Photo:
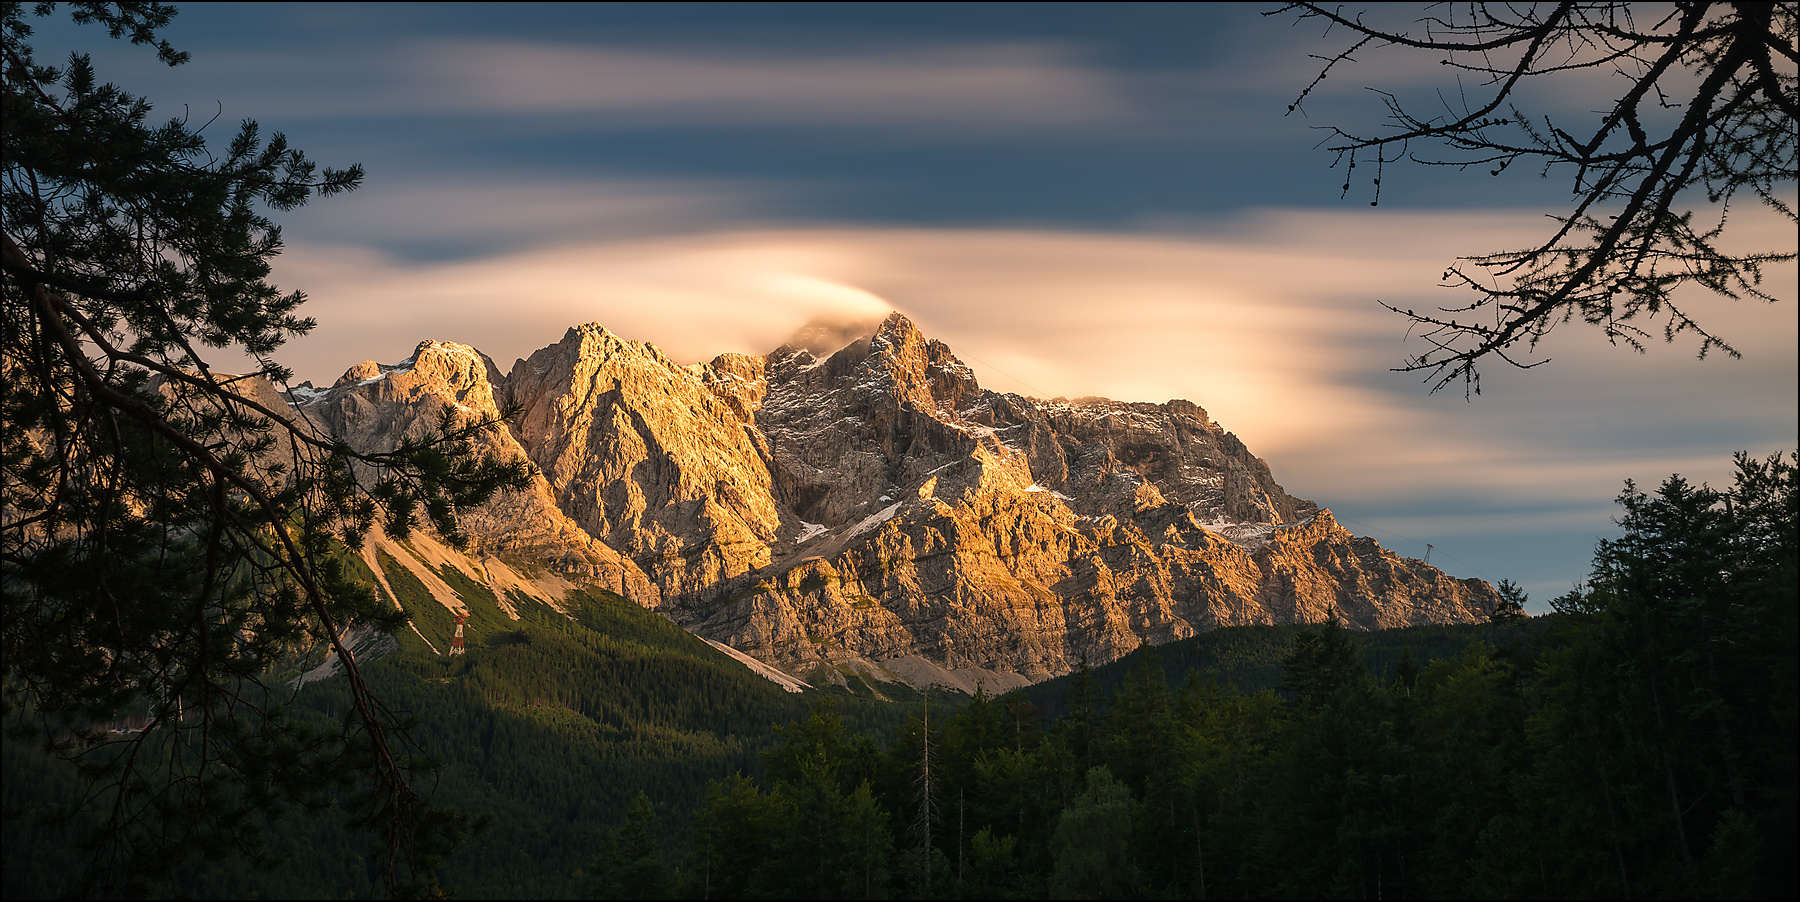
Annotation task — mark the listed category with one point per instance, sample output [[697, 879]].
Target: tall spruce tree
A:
[[632, 865], [168, 529], [1684, 646], [924, 821]]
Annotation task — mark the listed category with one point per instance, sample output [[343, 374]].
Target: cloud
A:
[[1267, 320], [695, 297], [969, 88], [970, 85], [477, 213]]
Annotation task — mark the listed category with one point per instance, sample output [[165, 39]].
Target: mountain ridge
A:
[[871, 509]]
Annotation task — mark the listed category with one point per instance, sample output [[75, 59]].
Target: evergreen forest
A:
[[1638, 742]]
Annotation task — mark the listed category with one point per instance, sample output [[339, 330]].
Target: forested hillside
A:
[[547, 730], [1249, 658], [552, 725], [1639, 741]]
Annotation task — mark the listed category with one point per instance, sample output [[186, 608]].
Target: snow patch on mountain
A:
[[874, 520], [304, 394]]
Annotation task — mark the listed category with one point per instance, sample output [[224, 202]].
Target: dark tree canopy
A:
[[1705, 114], [168, 529]]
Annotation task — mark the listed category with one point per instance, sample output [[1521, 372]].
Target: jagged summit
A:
[[856, 501]]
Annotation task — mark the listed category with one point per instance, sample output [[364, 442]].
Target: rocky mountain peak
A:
[[435, 372], [923, 370], [375, 402], [648, 455], [374, 405], [594, 336], [856, 501]]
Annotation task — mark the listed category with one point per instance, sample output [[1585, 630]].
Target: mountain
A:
[[855, 503]]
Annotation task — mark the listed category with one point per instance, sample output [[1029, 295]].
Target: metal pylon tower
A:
[[456, 642]]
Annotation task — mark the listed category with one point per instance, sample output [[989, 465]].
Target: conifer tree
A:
[[1406, 673], [632, 865], [1084, 714], [1667, 704], [1092, 842], [1323, 661], [925, 815], [168, 528], [1511, 605]]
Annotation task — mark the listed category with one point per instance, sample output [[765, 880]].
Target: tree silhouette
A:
[[1706, 109], [169, 529]]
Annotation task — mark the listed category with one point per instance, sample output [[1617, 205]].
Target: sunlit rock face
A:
[[991, 532], [639, 451], [855, 501], [374, 407]]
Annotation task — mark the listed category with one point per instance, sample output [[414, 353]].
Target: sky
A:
[[1105, 200]]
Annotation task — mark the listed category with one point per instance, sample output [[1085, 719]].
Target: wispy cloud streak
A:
[[973, 88], [1268, 321]]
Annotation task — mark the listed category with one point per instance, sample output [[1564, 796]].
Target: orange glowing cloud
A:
[[1268, 321]]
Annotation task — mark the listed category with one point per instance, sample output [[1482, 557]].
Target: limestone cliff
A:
[[639, 452], [374, 406], [856, 501], [998, 534]]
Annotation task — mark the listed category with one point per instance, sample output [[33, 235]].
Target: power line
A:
[[985, 365], [1429, 547]]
